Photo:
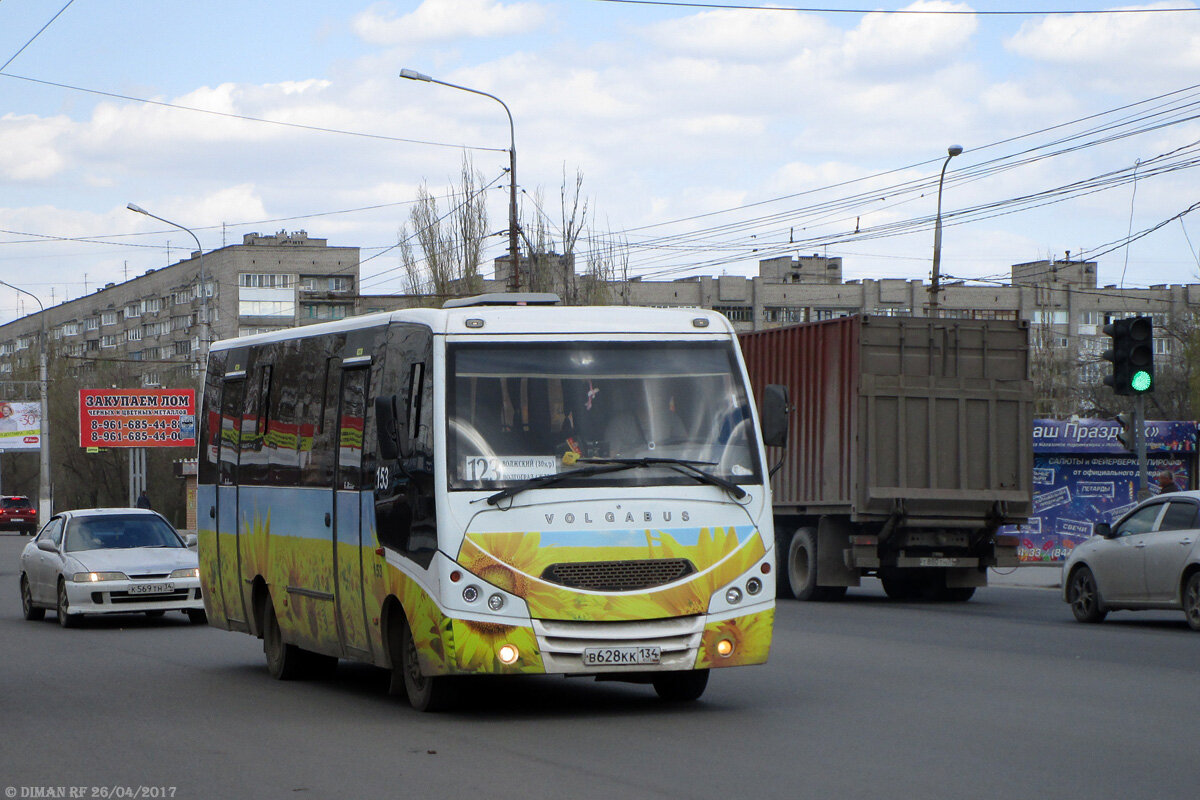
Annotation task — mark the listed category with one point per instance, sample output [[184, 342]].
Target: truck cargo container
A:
[[910, 444]]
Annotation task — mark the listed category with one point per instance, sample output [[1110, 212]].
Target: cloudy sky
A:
[[707, 138]]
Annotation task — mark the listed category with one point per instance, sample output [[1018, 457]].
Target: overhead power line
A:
[[948, 12], [247, 118], [13, 57]]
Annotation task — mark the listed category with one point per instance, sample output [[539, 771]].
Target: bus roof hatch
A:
[[505, 299]]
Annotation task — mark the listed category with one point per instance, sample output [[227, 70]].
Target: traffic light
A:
[[1131, 354]]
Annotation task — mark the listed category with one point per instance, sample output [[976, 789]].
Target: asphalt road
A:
[[1003, 697]]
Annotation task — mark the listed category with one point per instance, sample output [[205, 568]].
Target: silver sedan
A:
[[1150, 559], [109, 561]]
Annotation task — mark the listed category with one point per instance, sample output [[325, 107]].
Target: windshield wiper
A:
[[600, 466], [546, 480], [686, 467]]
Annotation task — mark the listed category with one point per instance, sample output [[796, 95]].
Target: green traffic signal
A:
[[1131, 354]]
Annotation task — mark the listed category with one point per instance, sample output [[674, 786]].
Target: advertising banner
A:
[[1083, 475], [137, 418], [20, 426]]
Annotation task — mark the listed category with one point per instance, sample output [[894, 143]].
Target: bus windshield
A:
[[519, 411]]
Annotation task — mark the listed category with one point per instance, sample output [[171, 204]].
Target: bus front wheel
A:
[[425, 692]]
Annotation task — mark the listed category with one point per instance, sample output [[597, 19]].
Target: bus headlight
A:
[[753, 586], [508, 653], [733, 595], [471, 594]]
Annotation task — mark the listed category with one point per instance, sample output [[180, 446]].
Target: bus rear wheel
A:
[[285, 661], [681, 687]]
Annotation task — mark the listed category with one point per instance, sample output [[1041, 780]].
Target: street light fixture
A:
[[44, 511], [515, 280], [953, 150], [205, 330]]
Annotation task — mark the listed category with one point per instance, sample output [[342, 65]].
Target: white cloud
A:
[[1116, 46], [30, 146], [741, 35], [439, 20], [886, 42]]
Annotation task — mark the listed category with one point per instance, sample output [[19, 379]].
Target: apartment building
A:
[[265, 283]]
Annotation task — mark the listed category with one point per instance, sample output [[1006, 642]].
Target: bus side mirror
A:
[[387, 429], [776, 406]]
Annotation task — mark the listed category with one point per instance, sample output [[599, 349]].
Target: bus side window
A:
[[323, 379], [351, 428], [283, 433], [405, 519], [210, 419], [253, 467]]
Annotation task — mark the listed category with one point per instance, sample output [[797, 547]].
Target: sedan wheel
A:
[[65, 619], [1191, 600], [1084, 597], [31, 612]]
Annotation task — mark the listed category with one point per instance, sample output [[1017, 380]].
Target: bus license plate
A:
[[937, 562], [620, 656], [151, 588]]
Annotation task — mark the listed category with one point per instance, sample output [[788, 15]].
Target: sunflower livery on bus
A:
[[501, 486]]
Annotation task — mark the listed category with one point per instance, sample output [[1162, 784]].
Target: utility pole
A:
[[45, 505]]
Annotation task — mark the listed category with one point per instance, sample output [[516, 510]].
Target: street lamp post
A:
[[205, 330], [44, 510], [934, 288], [515, 280]]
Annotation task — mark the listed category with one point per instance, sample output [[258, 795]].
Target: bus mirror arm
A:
[[387, 427]]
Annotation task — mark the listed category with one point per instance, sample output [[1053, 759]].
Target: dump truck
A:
[[909, 446]]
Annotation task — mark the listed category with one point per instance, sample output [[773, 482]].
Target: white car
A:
[[109, 561], [1150, 559]]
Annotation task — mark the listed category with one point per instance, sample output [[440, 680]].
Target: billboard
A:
[[137, 417], [1082, 474], [20, 426]]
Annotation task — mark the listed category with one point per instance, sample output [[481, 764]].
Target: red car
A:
[[17, 514]]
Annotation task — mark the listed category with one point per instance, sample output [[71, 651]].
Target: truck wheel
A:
[[960, 594], [681, 687], [783, 587], [802, 569], [898, 585]]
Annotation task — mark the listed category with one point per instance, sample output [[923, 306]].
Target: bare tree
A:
[[451, 244], [1055, 369], [551, 258]]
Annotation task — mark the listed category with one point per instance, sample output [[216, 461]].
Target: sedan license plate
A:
[[151, 588], [620, 656]]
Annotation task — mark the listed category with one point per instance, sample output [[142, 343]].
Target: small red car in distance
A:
[[17, 514]]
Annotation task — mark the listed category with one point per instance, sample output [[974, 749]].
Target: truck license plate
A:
[[151, 588], [620, 656], [937, 562]]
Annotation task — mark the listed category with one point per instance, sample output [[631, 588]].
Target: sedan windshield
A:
[[120, 531], [522, 411]]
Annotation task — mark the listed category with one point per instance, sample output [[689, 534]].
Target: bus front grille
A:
[[618, 576]]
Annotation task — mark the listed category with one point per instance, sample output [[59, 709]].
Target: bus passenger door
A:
[[233, 392], [348, 498]]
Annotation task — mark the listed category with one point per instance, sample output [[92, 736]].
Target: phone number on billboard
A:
[[138, 436], [134, 424]]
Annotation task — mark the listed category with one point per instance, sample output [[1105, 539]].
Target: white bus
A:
[[500, 486]]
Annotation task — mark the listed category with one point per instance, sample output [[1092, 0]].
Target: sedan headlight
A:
[[93, 577], [190, 572]]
